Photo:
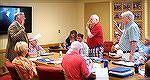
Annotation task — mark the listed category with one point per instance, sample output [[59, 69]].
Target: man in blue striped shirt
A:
[[130, 38]]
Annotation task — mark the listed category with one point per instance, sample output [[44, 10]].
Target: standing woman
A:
[[72, 37], [95, 39]]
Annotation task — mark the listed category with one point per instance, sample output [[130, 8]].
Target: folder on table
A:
[[121, 72]]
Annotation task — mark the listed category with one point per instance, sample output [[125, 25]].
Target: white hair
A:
[[95, 18], [20, 47], [128, 14], [76, 45]]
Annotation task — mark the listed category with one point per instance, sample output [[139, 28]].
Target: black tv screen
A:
[[7, 14]]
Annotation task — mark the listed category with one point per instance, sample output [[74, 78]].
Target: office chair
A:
[[50, 73], [12, 70]]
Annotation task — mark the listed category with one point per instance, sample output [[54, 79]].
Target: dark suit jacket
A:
[[14, 36]]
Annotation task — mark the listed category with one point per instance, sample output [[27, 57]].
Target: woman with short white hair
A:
[[25, 68]]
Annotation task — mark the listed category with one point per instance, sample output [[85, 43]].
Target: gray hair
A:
[[76, 45], [128, 14], [17, 14], [20, 47]]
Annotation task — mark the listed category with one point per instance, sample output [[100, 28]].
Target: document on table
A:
[[45, 54], [34, 59], [55, 62], [101, 73], [124, 63]]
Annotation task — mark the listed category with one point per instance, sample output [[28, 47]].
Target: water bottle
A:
[[136, 68], [60, 54], [105, 63]]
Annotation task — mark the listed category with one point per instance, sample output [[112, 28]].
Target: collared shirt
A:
[[75, 66], [34, 50], [97, 39], [25, 68], [85, 49], [131, 33]]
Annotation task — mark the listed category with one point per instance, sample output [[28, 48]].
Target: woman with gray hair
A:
[[130, 38], [95, 39], [25, 68]]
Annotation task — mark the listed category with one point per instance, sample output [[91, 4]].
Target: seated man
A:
[[25, 68], [85, 47], [75, 65], [34, 48]]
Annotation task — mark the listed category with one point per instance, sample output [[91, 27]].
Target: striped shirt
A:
[[131, 33], [34, 50], [25, 68]]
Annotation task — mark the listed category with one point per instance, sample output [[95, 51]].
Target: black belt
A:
[[129, 51]]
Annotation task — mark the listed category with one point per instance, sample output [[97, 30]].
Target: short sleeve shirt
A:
[[97, 39], [75, 66], [131, 33]]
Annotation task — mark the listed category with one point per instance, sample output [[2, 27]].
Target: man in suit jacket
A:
[[16, 33]]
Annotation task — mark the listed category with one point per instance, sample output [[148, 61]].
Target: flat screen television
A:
[[7, 14]]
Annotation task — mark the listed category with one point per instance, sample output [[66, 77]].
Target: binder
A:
[[121, 72]]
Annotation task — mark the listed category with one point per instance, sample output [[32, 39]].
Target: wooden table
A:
[[55, 56], [59, 49]]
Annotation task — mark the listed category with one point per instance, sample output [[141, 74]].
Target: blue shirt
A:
[[130, 33]]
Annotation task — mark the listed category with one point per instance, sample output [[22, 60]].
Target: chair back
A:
[[107, 46], [50, 73], [12, 70]]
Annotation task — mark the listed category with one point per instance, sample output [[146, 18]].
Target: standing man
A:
[[16, 33], [130, 38], [95, 39]]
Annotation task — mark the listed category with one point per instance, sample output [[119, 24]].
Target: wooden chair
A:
[[50, 73], [12, 70]]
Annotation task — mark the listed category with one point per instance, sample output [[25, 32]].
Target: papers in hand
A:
[[36, 37]]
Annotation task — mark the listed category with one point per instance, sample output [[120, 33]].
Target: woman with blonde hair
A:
[[25, 68]]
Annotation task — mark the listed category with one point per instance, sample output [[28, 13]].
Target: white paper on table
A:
[[34, 59], [56, 62], [102, 74], [45, 54]]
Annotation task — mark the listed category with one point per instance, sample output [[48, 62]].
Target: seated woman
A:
[[34, 48], [72, 37], [25, 68]]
